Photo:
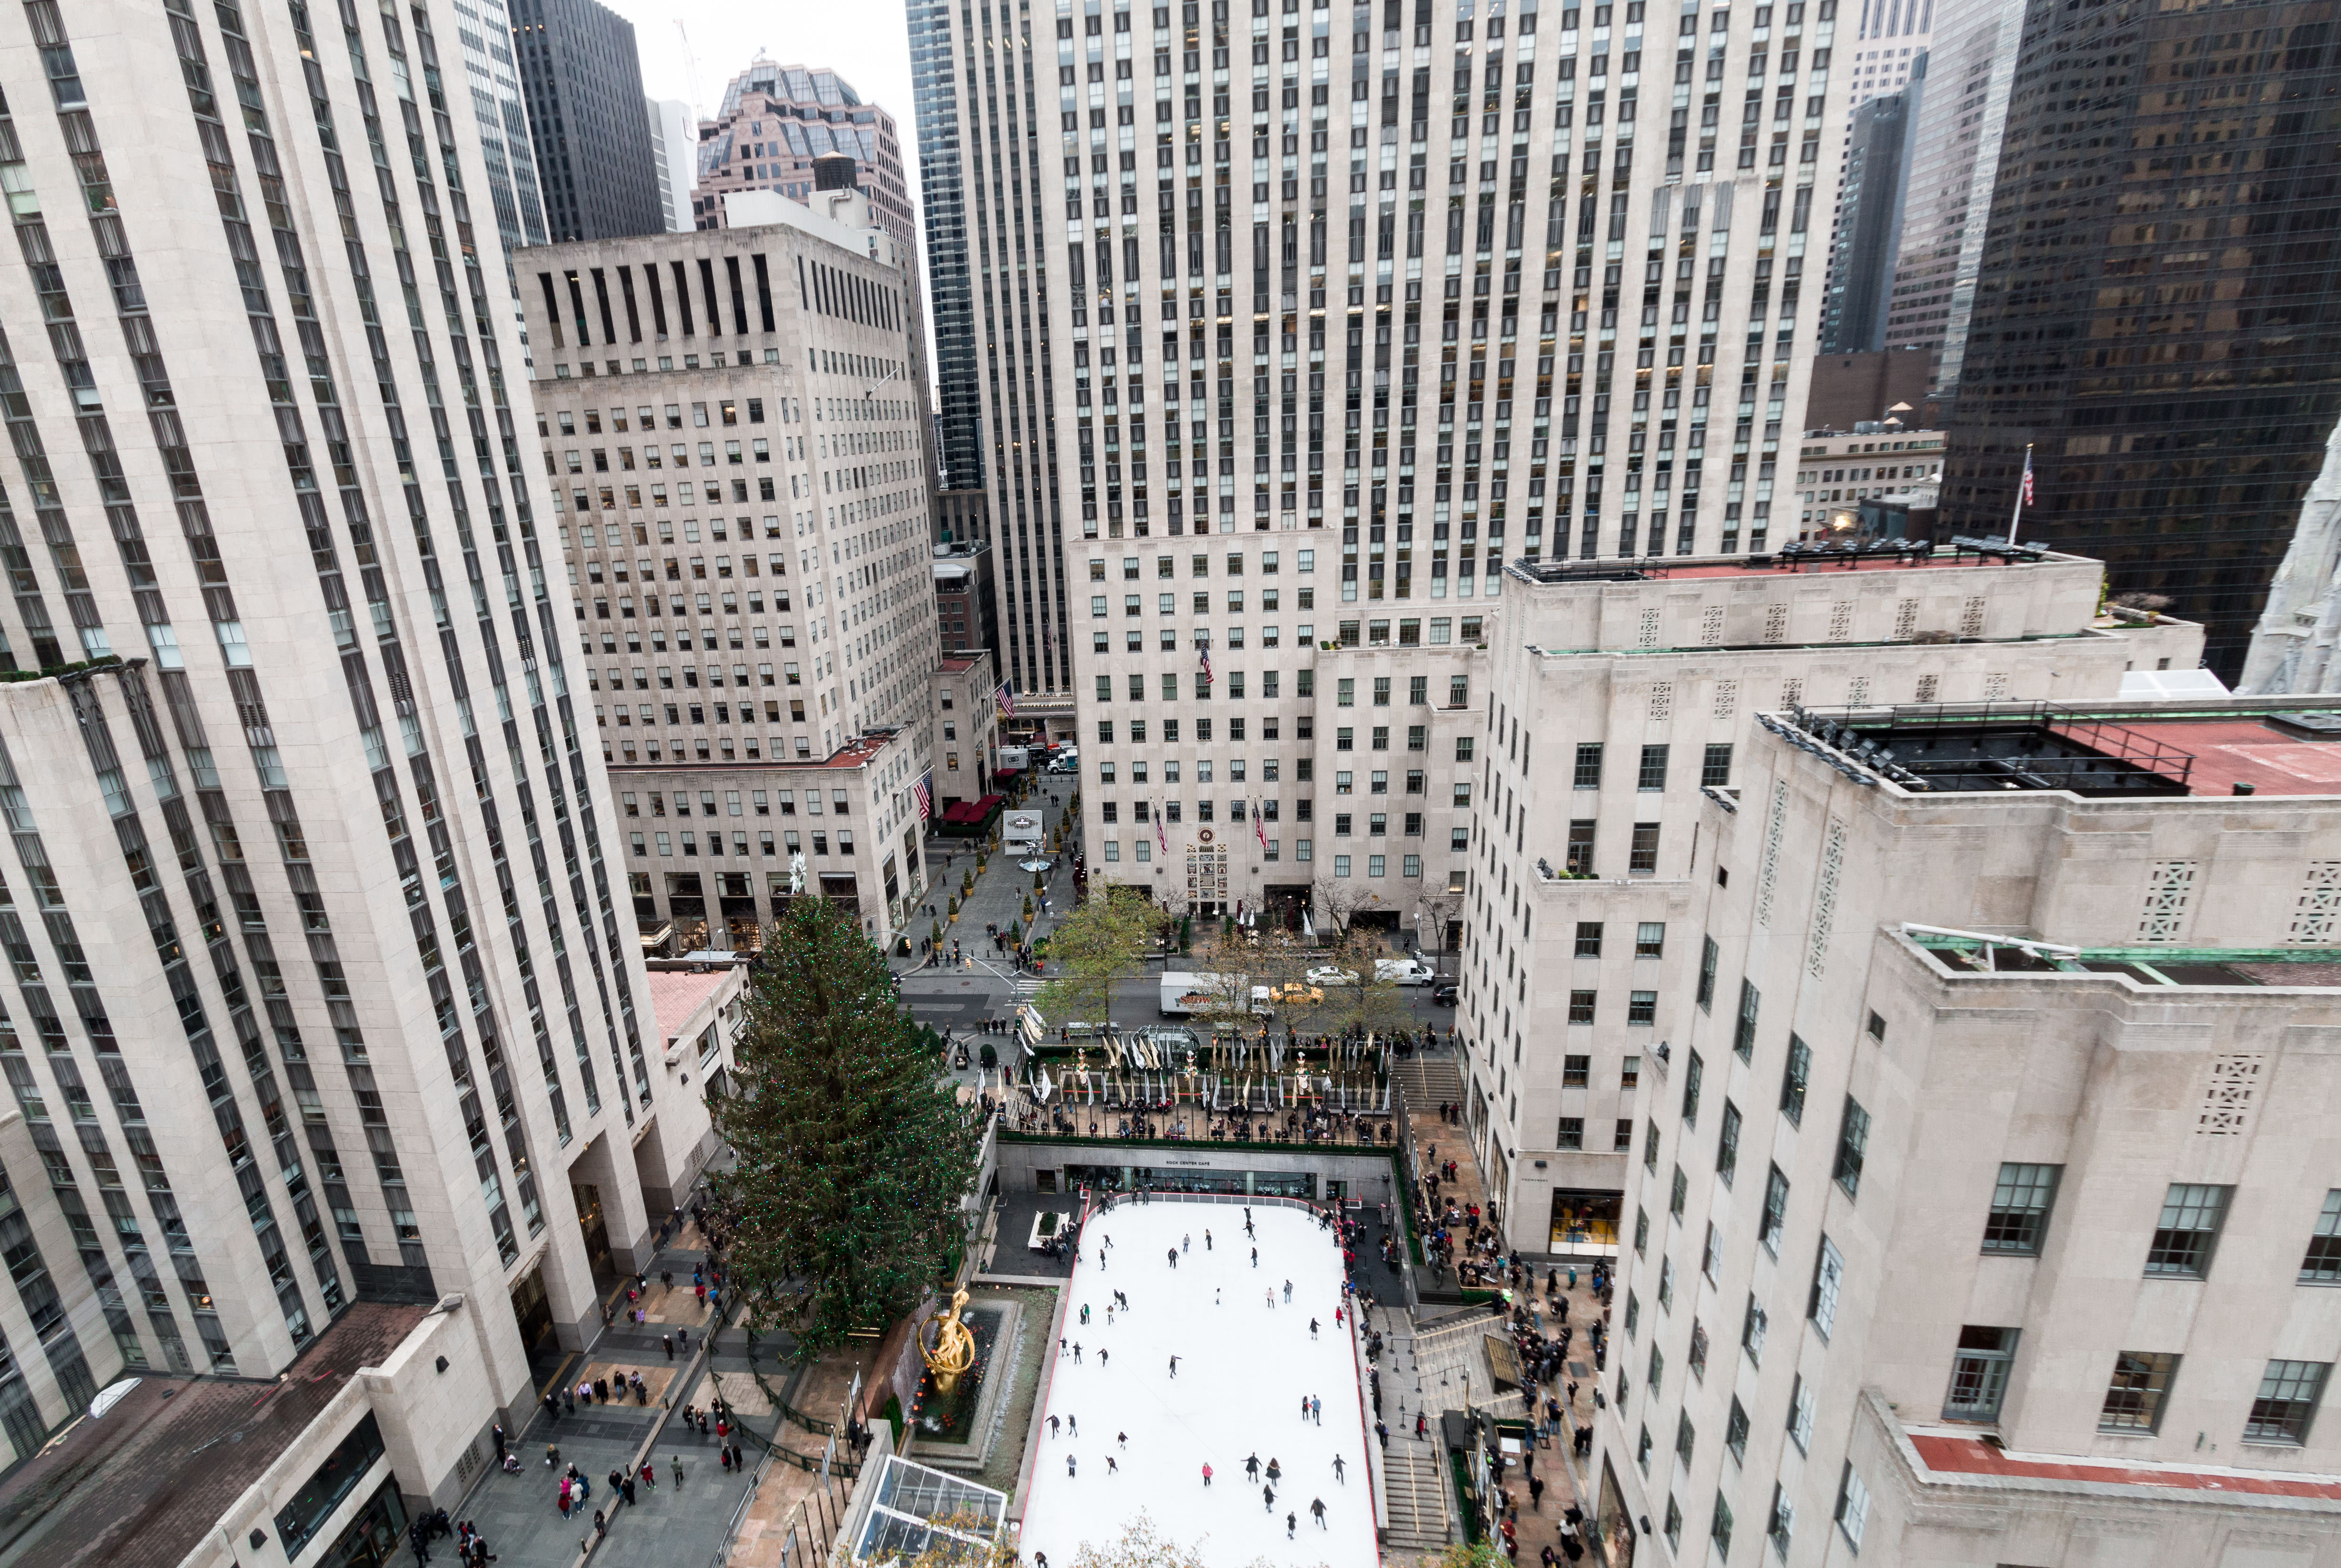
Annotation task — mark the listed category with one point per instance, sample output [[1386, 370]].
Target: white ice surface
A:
[[1243, 1368]]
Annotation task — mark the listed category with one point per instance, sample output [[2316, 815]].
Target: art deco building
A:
[[322, 987]]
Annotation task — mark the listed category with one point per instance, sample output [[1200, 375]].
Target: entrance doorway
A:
[[588, 1198], [533, 1311]]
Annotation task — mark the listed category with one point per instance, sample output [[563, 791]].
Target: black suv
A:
[[1443, 993]]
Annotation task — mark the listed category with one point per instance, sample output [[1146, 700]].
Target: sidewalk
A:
[[998, 898]]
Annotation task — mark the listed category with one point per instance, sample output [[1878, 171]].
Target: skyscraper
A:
[[776, 120], [1868, 226], [319, 987], [585, 90], [951, 296], [1409, 291], [674, 153], [502, 118], [1954, 160], [2155, 329]]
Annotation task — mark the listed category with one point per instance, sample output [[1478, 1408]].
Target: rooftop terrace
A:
[[1878, 555], [2119, 752], [1983, 953]]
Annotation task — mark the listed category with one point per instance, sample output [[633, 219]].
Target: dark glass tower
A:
[[2158, 300], [594, 161], [951, 296], [1869, 221]]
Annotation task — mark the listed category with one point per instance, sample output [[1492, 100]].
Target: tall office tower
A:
[[1954, 160], [1618, 708], [356, 893], [745, 494], [1889, 37], [950, 292], [1983, 1210], [2174, 445], [674, 154], [1868, 224], [502, 116], [585, 88], [1469, 311], [776, 120]]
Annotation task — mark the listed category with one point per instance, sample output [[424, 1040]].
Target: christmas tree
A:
[[853, 1157]]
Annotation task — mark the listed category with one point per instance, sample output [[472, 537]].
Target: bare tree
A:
[[1336, 902]]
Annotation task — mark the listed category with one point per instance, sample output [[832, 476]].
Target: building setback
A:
[[2171, 438], [743, 490], [1617, 705], [320, 991], [1412, 292], [1985, 1209], [595, 158]]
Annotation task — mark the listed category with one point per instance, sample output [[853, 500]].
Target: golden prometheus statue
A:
[[952, 1350]]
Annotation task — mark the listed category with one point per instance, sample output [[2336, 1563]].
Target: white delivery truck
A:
[[1186, 990]]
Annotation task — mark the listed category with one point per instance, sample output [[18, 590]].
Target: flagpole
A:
[[2022, 484]]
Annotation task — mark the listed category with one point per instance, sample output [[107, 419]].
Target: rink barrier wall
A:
[[1016, 1169]]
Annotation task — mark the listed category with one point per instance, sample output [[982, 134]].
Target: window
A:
[[1852, 1143], [1828, 1273], [1588, 765], [2322, 1263], [1580, 846], [1623, 1138], [2020, 1202], [1735, 1432], [1572, 1132], [1588, 939], [1710, 1262], [1775, 1211], [1641, 1230], [1708, 955], [1793, 1080], [1643, 856], [1979, 1373], [2187, 1231], [1685, 1437], [1630, 1072], [1418, 690], [1642, 1449], [1459, 691], [1852, 1506], [1581, 1007], [1781, 1528], [1721, 1531], [1751, 1329], [1674, 1523], [1694, 1076], [1726, 1153], [2287, 1400], [1801, 1404], [1650, 1152], [1652, 773], [1878, 1029], [1650, 940], [1575, 1071], [1642, 1009], [1633, 1314], [1678, 1193], [1743, 1033], [1714, 766], [2134, 1398]]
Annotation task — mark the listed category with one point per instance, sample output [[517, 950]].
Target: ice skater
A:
[[1060, 1347], [1312, 1328], [1207, 1240], [1072, 1427], [1287, 1292], [1187, 1242], [1111, 1468], [1315, 1407], [1339, 1473], [1275, 1470], [1077, 1352], [1304, 1407], [1052, 1428], [1174, 1258], [1122, 1301], [1122, 1438], [1316, 1507], [1247, 1230], [1206, 1472], [1271, 1298], [1291, 1524], [1215, 1295], [1255, 1253], [1070, 1470], [1174, 1366], [1108, 1316], [1085, 1313], [1268, 1496], [1103, 1353], [1251, 1467]]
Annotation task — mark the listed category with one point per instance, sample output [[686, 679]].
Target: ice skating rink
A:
[[1244, 1367]]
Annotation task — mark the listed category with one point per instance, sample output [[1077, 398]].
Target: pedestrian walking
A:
[[666, 1343]]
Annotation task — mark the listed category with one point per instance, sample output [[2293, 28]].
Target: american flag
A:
[[925, 792], [2027, 476], [1006, 698], [1257, 831], [1204, 655], [1162, 839]]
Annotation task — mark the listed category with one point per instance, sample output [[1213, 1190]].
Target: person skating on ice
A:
[[1339, 1473], [1275, 1470], [1174, 1258], [1287, 1292], [1077, 1352], [1304, 1407], [1271, 1298], [1052, 1428], [1255, 1253], [1207, 1240], [1072, 1428], [1122, 1438], [1207, 1473], [1187, 1242], [1174, 1366], [1103, 1353], [1316, 1409], [1312, 1328], [1291, 1524], [1070, 1470], [1268, 1496], [1251, 1467], [1316, 1507], [1110, 1467]]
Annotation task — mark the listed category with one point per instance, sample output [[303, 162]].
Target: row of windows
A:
[[1198, 564], [1650, 771], [646, 417], [759, 802], [1641, 848], [2138, 1391], [790, 843]]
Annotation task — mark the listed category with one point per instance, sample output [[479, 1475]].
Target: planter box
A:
[[1064, 1222]]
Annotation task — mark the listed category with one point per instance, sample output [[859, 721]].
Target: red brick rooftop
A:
[[1954, 1456]]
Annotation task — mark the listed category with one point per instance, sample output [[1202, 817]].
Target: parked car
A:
[[1443, 993], [1404, 971], [1328, 975]]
